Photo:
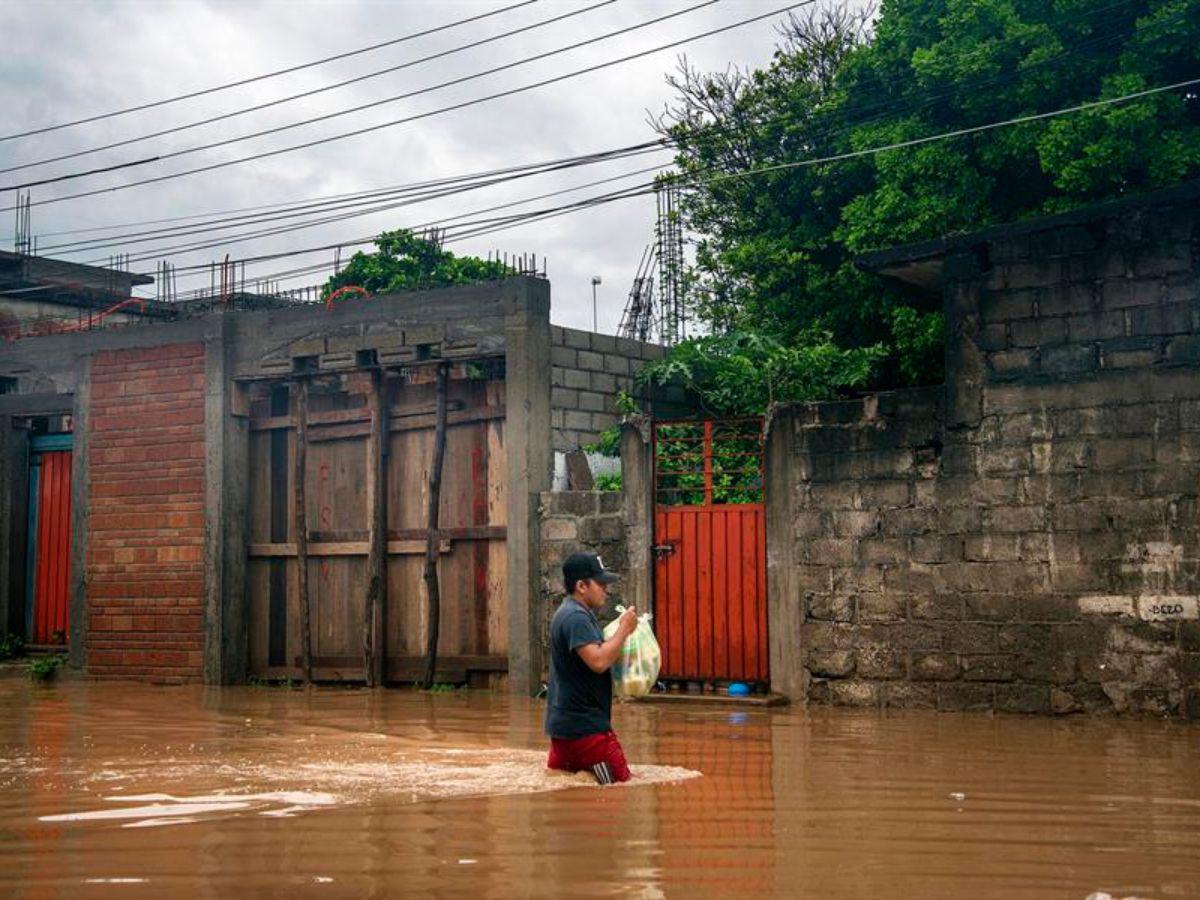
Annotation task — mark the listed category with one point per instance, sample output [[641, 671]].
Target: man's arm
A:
[[600, 657]]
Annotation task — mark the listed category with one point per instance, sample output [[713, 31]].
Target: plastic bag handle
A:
[[644, 617]]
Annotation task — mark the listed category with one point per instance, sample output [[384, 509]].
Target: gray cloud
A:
[[70, 59]]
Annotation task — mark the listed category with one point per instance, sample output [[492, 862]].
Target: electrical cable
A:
[[417, 189], [708, 130], [278, 102], [833, 158], [383, 125], [244, 81]]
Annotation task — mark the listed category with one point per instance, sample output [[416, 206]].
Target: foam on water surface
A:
[[335, 772]]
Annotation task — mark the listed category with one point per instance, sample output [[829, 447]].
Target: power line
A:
[[463, 105], [322, 199], [710, 129], [423, 188], [278, 102], [494, 225], [648, 188], [704, 130], [266, 75], [345, 216]]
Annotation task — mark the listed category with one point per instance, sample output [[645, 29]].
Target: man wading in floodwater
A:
[[579, 711]]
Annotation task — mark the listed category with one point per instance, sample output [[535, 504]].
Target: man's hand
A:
[[627, 623], [599, 657]]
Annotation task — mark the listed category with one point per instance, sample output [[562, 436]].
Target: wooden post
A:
[[373, 614], [431, 539], [301, 527]]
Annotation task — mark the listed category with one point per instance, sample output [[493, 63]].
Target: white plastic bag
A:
[[636, 669]]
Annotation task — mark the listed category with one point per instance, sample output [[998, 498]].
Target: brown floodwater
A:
[[134, 791]]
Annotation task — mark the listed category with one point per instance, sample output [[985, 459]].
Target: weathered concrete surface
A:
[[508, 319], [1026, 539], [530, 468], [583, 522]]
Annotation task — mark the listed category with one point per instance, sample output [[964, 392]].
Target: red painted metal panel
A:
[[737, 596], [710, 567], [52, 580], [675, 531], [750, 592], [720, 594]]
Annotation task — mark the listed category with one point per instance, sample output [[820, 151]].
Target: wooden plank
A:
[[465, 533], [344, 416], [277, 647], [344, 548], [258, 591], [412, 423], [479, 514], [373, 621], [432, 588], [300, 392], [497, 511]]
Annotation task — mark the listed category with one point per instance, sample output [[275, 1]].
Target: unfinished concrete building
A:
[[150, 519]]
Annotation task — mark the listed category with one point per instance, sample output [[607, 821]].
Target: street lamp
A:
[[595, 281]]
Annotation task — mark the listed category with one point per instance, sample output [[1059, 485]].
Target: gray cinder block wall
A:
[[587, 371], [1026, 538], [573, 522]]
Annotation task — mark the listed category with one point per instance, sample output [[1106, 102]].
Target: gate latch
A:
[[661, 550]]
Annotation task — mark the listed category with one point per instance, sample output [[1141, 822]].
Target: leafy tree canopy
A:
[[406, 261], [775, 251], [740, 372]]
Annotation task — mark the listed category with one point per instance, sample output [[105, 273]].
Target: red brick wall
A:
[[145, 459]]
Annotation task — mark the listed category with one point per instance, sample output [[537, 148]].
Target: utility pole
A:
[[595, 281]]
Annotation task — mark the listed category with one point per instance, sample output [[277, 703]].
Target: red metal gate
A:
[[50, 541], [710, 571]]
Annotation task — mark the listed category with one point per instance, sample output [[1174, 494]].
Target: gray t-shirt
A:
[[579, 700]]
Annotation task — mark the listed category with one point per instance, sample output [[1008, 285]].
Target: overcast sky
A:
[[66, 60]]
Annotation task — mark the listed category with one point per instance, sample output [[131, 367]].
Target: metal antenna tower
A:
[[637, 322], [669, 236], [23, 242]]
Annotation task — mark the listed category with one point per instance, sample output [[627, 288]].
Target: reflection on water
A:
[[357, 793]]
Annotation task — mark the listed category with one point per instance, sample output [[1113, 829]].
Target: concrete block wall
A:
[[1091, 297], [587, 370], [573, 522], [145, 541], [1027, 538]]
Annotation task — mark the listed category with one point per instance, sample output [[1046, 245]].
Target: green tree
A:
[[738, 372], [775, 252], [406, 261]]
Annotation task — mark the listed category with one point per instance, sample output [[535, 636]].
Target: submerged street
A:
[[126, 791]]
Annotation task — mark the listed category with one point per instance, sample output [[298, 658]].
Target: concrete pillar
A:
[[637, 510], [80, 413], [226, 439], [785, 606], [965, 366], [528, 448]]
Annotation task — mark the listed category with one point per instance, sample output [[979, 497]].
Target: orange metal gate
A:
[[710, 597], [49, 561]]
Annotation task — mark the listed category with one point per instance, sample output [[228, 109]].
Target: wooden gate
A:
[[48, 561], [337, 507], [710, 597]]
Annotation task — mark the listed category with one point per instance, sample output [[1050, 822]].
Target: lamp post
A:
[[595, 281]]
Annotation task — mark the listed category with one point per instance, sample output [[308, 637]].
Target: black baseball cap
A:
[[587, 565]]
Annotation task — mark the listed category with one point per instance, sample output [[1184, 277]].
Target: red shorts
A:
[[600, 754]]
